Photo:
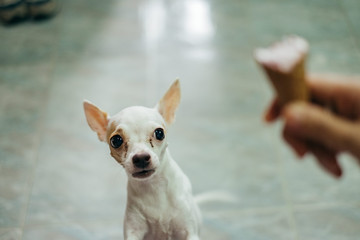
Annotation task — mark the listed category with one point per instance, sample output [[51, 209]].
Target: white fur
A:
[[159, 206]]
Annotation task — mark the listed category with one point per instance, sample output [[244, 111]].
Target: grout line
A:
[[286, 195], [295, 207], [245, 211], [9, 228], [351, 27], [324, 205], [75, 223], [237, 213], [41, 130]]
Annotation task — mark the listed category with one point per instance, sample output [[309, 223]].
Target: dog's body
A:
[[160, 204]]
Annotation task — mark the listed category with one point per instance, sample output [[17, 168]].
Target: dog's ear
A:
[[97, 119], [169, 102]]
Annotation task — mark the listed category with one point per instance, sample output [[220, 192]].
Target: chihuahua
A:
[[160, 204]]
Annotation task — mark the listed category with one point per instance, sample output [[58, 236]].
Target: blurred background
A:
[[57, 181]]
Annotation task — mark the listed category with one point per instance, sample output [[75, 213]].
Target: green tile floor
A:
[[57, 181]]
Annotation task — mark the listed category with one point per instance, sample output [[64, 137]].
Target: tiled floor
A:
[[58, 182]]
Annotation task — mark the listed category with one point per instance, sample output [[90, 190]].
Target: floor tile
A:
[[351, 10], [258, 226], [22, 107], [75, 183], [14, 191], [230, 160], [76, 231], [332, 223], [10, 233], [305, 178], [27, 44]]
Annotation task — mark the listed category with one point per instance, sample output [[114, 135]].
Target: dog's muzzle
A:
[[142, 162]]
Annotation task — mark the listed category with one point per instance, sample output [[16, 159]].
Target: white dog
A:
[[160, 204]]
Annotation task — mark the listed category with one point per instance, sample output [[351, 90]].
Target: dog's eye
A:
[[116, 141], [159, 134]]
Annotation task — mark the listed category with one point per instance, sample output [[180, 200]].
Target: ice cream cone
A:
[[284, 64]]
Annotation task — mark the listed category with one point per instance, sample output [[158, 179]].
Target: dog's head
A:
[[136, 135]]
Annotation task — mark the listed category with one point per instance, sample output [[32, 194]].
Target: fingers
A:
[[297, 144], [322, 88], [328, 83], [273, 111], [327, 160], [311, 123], [339, 93]]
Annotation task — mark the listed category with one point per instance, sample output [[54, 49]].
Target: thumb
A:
[[310, 122]]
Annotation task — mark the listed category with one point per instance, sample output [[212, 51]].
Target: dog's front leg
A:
[[133, 237], [134, 233], [135, 228]]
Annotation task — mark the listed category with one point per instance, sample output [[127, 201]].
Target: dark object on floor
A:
[[41, 9], [15, 11], [12, 11]]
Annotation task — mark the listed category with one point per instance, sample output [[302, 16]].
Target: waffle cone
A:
[[289, 86], [284, 64]]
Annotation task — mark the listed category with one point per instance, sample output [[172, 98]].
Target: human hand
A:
[[327, 126]]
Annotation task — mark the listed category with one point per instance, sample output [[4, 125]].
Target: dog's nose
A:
[[141, 160]]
